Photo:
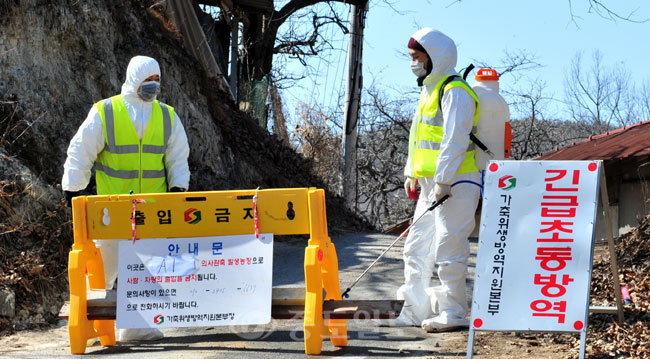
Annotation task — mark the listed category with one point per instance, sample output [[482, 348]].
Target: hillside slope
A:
[[56, 60]]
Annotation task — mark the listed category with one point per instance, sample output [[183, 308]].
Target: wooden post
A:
[[604, 198], [352, 104], [234, 58]]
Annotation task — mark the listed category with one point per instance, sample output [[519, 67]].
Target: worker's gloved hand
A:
[[177, 189], [411, 190], [68, 195], [440, 190]]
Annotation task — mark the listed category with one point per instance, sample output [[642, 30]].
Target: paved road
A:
[[280, 338]]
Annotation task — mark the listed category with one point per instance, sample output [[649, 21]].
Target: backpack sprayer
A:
[[435, 204]]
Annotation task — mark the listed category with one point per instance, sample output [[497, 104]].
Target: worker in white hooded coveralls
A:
[[440, 155], [134, 143]]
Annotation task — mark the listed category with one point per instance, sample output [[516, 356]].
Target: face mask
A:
[[418, 69], [149, 90]]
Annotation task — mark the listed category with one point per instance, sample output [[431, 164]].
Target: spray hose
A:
[[431, 208]]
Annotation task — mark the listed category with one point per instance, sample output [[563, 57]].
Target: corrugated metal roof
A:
[[620, 143]]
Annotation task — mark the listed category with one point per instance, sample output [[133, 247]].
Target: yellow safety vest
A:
[[426, 135], [127, 163]]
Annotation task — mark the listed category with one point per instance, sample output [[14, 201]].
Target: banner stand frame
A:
[[618, 309]]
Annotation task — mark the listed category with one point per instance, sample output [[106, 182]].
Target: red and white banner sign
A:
[[535, 246]]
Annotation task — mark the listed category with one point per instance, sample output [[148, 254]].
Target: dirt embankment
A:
[[56, 60]]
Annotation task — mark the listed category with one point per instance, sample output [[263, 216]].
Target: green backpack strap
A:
[[447, 81], [453, 78]]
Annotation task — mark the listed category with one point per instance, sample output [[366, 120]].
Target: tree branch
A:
[[295, 5], [605, 12]]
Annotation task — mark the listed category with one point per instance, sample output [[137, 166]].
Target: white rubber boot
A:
[[401, 321], [443, 323]]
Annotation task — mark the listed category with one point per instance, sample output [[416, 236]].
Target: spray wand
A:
[[431, 208]]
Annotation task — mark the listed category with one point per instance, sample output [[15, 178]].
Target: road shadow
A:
[[276, 344]]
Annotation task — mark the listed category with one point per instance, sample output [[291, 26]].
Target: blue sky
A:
[[484, 31]]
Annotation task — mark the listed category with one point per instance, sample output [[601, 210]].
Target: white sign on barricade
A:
[[535, 247], [199, 281]]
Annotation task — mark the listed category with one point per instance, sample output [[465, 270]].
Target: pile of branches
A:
[[631, 339]]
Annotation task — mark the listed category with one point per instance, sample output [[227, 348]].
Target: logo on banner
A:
[[192, 216], [507, 182], [158, 319]]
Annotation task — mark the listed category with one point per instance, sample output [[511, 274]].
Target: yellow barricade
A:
[[280, 211]]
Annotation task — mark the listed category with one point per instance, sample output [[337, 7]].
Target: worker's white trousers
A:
[[439, 238], [109, 250]]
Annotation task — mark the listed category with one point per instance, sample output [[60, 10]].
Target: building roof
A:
[[624, 142]]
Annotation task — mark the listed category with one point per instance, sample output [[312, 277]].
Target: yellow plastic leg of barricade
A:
[[95, 268], [337, 327], [314, 326], [85, 256], [105, 330], [321, 272]]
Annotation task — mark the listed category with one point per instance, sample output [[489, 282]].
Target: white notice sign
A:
[[199, 281], [535, 246]]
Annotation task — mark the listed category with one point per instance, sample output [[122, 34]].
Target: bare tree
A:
[[536, 131], [318, 136], [303, 36], [597, 7], [607, 12], [643, 101], [382, 152], [513, 63], [528, 135], [599, 97], [261, 39]]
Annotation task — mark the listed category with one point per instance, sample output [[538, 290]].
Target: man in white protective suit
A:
[[134, 143], [440, 155]]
